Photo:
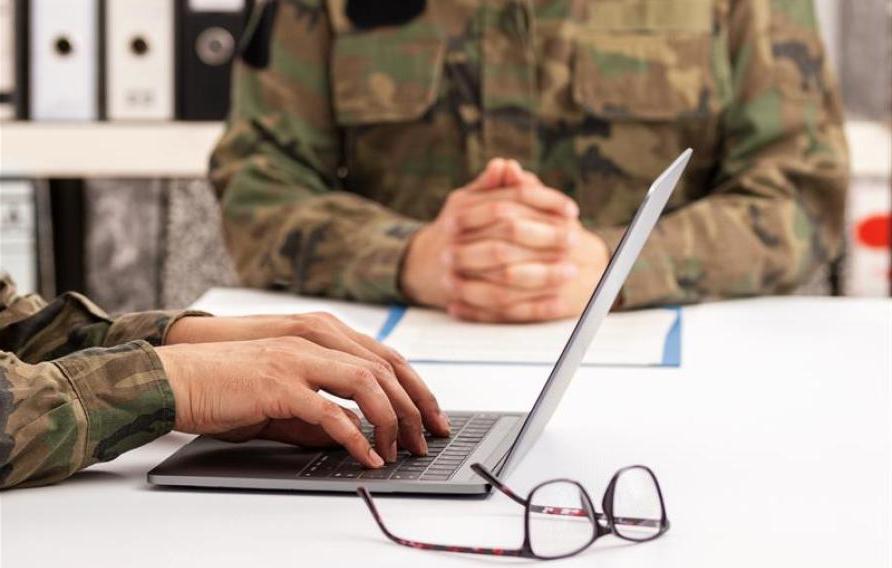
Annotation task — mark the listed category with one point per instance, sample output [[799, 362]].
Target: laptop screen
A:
[[598, 307]]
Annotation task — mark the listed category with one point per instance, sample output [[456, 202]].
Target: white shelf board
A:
[[181, 149], [870, 146], [106, 149]]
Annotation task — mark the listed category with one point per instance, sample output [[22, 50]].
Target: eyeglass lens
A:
[[560, 519], [637, 508]]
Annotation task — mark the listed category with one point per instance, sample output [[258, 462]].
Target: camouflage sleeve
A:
[[776, 207], [287, 220], [76, 386], [36, 331], [61, 416]]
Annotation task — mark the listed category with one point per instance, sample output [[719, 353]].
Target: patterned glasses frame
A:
[[604, 523]]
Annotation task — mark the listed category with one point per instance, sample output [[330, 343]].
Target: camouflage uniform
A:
[[76, 386], [350, 139]]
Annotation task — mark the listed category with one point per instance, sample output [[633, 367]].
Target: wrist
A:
[[415, 275], [174, 370], [185, 330]]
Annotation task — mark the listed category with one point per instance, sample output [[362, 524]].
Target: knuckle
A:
[[313, 333], [290, 341], [324, 318], [383, 369], [353, 418], [363, 376], [458, 255], [514, 229], [330, 411], [518, 313], [500, 252], [355, 438], [455, 199], [495, 210], [429, 401], [395, 356], [493, 296], [549, 310], [314, 317], [459, 288], [387, 421], [391, 422], [412, 417], [297, 325]]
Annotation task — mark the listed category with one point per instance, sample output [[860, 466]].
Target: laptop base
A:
[[265, 465]]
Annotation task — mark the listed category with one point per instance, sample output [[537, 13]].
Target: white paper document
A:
[[633, 338], [645, 338]]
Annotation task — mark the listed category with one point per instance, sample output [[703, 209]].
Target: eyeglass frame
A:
[[526, 549]]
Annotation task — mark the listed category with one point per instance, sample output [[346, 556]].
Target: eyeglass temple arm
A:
[[480, 470], [367, 497], [563, 511]]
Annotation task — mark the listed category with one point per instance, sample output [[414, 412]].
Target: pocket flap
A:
[[384, 79]]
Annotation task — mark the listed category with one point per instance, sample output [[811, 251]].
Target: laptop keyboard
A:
[[444, 455]]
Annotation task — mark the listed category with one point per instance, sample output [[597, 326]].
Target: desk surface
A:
[[773, 443]]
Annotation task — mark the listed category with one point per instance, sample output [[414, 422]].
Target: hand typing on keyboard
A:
[[230, 379], [444, 456]]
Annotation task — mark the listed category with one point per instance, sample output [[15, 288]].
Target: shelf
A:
[[181, 149], [106, 149], [870, 145]]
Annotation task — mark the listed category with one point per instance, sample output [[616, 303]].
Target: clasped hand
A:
[[505, 248]]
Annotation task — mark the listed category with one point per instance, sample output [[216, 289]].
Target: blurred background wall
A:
[[156, 242]]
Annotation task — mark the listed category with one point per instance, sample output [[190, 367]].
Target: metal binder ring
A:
[[215, 46]]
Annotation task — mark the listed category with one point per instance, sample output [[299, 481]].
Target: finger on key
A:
[[313, 408], [409, 420], [347, 376], [433, 418]]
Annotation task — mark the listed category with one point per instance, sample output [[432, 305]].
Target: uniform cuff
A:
[[125, 396], [151, 327], [651, 281], [374, 273]]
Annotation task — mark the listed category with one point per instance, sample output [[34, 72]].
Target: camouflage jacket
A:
[[346, 133], [76, 386]]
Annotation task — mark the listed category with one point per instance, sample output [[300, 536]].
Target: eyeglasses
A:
[[560, 520]]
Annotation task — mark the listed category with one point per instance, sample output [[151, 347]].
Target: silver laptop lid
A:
[[598, 306]]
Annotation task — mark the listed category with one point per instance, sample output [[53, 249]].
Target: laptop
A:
[[499, 440]]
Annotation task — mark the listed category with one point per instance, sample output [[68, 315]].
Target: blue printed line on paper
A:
[[672, 345], [394, 315]]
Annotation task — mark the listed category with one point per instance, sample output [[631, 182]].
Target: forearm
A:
[[337, 245], [727, 246], [288, 221], [59, 417]]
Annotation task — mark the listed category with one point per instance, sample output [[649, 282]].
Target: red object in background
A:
[[875, 231]]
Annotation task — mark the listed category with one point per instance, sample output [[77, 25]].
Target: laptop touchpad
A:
[[257, 458]]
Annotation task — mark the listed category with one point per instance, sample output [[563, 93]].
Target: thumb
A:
[[516, 175], [492, 176], [297, 432]]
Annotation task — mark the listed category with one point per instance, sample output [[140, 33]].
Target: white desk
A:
[[773, 444]]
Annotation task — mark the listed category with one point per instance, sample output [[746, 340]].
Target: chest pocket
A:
[[650, 60], [387, 75]]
